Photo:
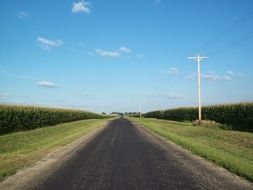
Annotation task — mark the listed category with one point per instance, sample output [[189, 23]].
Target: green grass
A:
[[232, 150], [25, 148]]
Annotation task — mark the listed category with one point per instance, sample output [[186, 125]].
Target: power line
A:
[[212, 41], [181, 76], [228, 30], [233, 43]]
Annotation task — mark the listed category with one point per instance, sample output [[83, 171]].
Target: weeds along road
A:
[[127, 156]]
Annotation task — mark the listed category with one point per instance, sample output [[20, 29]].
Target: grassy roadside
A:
[[24, 148], [230, 149]]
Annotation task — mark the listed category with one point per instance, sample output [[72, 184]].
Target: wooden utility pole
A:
[[198, 59]]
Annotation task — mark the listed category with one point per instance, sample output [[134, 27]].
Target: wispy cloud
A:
[[83, 95], [230, 73], [48, 44], [75, 106], [117, 53], [228, 76], [170, 96], [235, 74], [212, 76], [189, 77], [83, 44], [172, 71], [3, 95], [124, 49], [81, 6], [216, 77], [173, 97], [22, 14], [105, 53], [46, 84]]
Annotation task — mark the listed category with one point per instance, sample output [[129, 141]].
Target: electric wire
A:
[[228, 30], [232, 44]]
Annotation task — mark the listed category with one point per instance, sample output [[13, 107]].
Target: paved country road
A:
[[127, 156]]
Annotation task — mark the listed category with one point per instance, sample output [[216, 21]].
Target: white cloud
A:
[[117, 53], [216, 77], [173, 71], [105, 53], [48, 44], [81, 6], [230, 72], [174, 97], [212, 76], [22, 14], [170, 96], [124, 49], [235, 74], [46, 84], [189, 77], [3, 95]]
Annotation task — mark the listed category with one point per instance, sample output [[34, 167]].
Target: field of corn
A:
[[235, 116], [20, 118]]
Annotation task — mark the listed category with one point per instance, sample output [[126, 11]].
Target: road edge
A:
[[197, 158], [41, 170]]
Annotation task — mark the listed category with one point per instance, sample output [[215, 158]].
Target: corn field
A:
[[19, 118], [236, 116]]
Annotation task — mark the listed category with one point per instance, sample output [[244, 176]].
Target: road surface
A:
[[128, 157]]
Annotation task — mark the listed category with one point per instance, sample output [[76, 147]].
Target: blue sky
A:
[[115, 55]]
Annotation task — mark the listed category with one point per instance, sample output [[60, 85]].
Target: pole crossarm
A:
[[200, 58]]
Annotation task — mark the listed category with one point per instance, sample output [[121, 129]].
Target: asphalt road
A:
[[126, 156]]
